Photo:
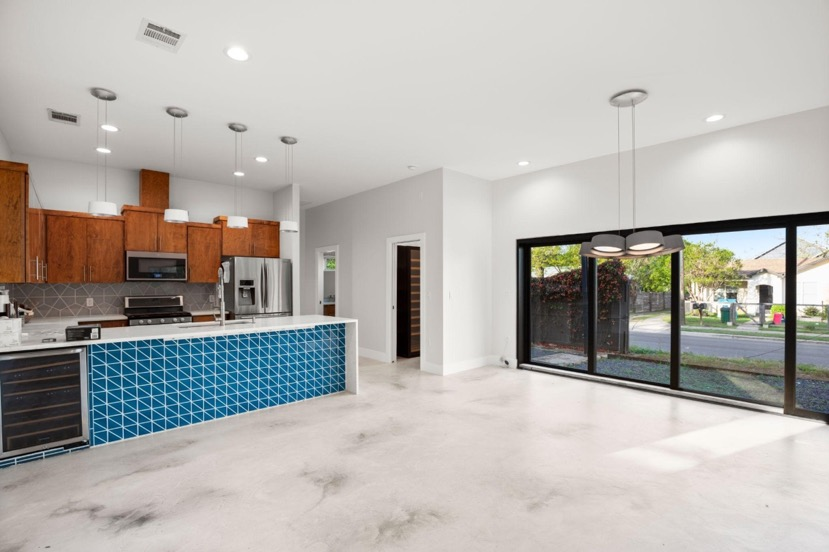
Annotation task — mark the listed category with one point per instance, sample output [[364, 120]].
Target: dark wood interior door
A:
[[408, 301]]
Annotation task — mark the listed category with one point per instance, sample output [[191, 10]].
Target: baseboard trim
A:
[[373, 355]]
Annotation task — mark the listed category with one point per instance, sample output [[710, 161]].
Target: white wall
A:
[[467, 272], [813, 286], [360, 225], [773, 167], [69, 186], [5, 150], [206, 200], [286, 203]]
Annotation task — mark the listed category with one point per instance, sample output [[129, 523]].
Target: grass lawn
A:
[[710, 321], [803, 327]]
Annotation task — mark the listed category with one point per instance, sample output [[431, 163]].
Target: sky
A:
[[751, 243]]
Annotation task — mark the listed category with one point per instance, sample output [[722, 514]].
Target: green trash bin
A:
[[725, 314]]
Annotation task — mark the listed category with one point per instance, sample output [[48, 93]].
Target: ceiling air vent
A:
[[159, 36], [61, 117]]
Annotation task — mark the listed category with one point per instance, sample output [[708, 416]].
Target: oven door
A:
[[151, 266]]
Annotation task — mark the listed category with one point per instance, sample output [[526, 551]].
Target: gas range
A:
[[155, 309]]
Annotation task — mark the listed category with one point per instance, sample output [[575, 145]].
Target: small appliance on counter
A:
[[258, 287], [155, 309], [83, 333]]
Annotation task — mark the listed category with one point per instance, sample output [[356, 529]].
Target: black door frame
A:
[[788, 223]]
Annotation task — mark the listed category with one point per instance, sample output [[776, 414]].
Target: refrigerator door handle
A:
[[267, 292]]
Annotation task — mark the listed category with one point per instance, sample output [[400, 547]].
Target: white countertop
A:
[[36, 330]]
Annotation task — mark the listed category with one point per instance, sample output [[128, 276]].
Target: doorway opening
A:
[[327, 280], [406, 300]]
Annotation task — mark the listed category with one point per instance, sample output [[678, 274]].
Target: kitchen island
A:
[[143, 380]]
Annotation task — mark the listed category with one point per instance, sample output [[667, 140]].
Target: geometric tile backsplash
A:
[[70, 299], [142, 387]]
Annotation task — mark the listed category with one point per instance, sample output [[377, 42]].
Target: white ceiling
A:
[[370, 87]]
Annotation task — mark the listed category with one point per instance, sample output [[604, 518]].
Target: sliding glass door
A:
[[633, 330], [812, 326], [741, 313], [732, 339], [558, 307]]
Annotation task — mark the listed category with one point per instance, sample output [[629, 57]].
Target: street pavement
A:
[[654, 333]]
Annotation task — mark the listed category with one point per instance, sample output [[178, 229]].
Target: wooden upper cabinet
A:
[[265, 239], [36, 246], [204, 252], [66, 248], [235, 241], [105, 250], [145, 230], [14, 201], [259, 239], [154, 189], [172, 237], [140, 231], [84, 249]]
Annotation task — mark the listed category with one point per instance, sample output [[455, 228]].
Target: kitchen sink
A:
[[214, 323]]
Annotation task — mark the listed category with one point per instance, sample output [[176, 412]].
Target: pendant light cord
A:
[[106, 144], [633, 159], [97, 154], [235, 176], [619, 167], [174, 146], [289, 174]]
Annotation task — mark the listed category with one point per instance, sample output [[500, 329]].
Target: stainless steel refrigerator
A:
[[256, 287]]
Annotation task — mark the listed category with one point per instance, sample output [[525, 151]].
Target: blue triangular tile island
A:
[[151, 379]]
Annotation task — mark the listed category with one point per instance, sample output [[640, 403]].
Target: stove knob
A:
[[175, 320], [141, 321], [162, 321]]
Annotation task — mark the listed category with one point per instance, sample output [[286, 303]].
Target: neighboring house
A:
[[813, 281], [765, 281]]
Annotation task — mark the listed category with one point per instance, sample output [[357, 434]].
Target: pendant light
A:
[[236, 221], [289, 226], [97, 207], [177, 216], [644, 243]]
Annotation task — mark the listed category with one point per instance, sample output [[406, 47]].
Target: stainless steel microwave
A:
[[152, 266]]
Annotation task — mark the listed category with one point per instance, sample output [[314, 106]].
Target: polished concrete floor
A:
[[491, 459]]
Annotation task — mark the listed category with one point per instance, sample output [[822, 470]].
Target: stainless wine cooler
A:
[[43, 400]]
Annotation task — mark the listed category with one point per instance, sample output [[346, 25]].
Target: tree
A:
[[819, 247], [650, 274], [559, 257], [709, 268]]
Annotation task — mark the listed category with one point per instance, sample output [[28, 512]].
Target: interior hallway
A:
[[490, 459]]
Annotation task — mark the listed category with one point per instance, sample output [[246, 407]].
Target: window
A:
[[741, 313]]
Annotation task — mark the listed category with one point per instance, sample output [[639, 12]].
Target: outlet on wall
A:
[[211, 298], [90, 302]]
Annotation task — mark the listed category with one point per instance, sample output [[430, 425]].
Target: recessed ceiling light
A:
[[237, 53], [714, 118], [238, 173], [412, 167], [109, 128], [523, 163], [261, 159], [103, 150]]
